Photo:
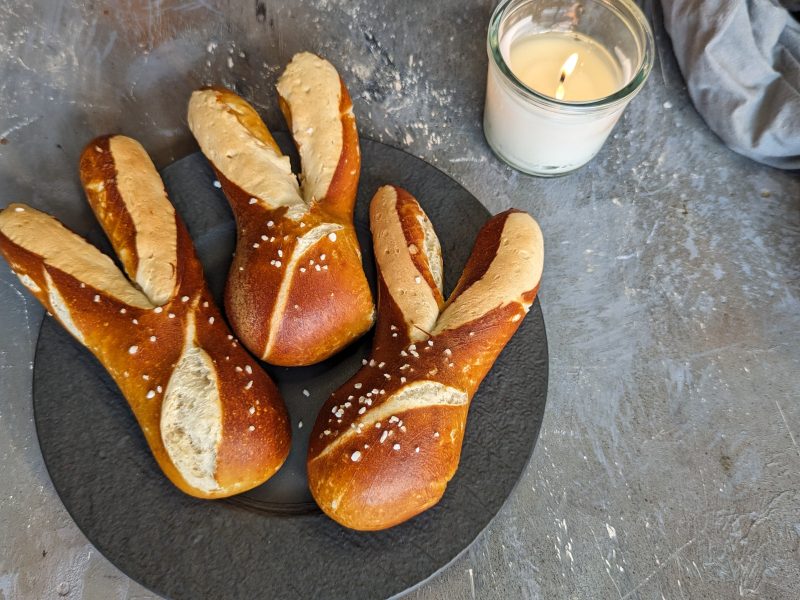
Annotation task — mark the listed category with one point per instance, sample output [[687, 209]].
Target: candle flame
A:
[[566, 70]]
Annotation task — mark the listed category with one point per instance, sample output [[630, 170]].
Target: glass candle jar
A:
[[560, 74]]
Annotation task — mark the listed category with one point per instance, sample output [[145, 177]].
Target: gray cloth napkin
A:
[[741, 62]]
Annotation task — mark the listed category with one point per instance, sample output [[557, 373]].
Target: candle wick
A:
[[566, 70]]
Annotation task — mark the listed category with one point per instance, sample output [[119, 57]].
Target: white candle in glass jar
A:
[[553, 96]]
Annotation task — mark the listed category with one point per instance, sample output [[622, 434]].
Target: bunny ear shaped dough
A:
[[129, 199], [296, 291], [388, 441], [213, 419]]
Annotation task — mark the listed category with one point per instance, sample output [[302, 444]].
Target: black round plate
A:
[[272, 542]]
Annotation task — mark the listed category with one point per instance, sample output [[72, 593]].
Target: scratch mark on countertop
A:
[[197, 4], [608, 572], [785, 422], [471, 582], [658, 569], [697, 569], [112, 38], [475, 159], [710, 351], [20, 61], [703, 483], [652, 232], [19, 125]]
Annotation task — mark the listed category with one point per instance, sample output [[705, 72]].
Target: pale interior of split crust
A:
[[420, 394], [238, 152], [515, 270], [44, 236], [191, 415], [405, 283], [153, 216], [311, 88]]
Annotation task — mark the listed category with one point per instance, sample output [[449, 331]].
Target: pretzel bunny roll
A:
[[296, 290], [213, 419], [388, 441]]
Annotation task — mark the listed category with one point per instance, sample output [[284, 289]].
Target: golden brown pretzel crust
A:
[[388, 441], [296, 291], [140, 345]]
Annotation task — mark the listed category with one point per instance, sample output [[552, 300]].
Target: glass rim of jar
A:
[[622, 95]]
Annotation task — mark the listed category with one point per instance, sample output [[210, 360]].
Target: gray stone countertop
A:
[[668, 463]]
